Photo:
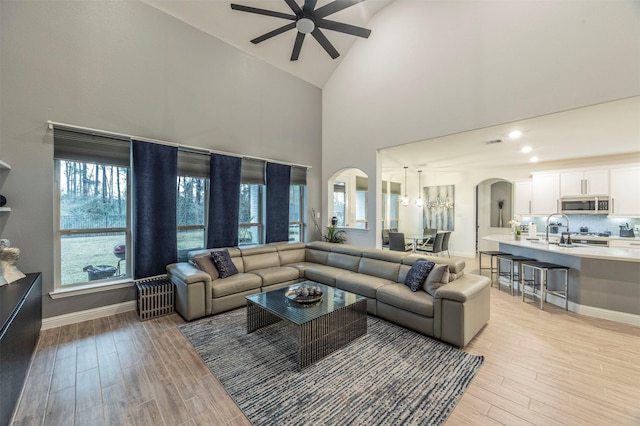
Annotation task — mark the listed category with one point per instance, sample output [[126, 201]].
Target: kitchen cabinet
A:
[[584, 182], [522, 198], [545, 193], [625, 192]]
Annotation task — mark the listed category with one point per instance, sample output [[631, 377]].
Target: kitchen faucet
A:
[[556, 214]]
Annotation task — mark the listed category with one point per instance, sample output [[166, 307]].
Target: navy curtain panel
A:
[[224, 201], [277, 218], [155, 174]]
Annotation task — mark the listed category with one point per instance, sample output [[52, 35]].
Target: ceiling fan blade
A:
[[325, 43], [294, 6], [343, 28], [333, 7], [297, 46], [263, 12], [309, 6], [273, 33]]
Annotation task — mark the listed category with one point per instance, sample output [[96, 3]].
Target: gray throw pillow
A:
[[204, 262], [418, 272], [438, 277], [224, 264]]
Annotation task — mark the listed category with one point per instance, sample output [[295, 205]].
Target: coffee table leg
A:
[[322, 336], [258, 317]]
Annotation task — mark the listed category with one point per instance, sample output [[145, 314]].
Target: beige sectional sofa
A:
[[455, 315]]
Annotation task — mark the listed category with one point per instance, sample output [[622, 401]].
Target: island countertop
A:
[[579, 250]]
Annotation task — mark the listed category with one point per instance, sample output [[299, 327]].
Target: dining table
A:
[[418, 239]]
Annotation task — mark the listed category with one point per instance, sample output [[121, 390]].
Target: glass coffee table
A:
[[322, 327]]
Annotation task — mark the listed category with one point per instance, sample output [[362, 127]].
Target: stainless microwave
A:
[[585, 205]]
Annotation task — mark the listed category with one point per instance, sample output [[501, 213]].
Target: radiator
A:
[[155, 297]]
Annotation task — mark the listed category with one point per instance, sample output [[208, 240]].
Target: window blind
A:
[[252, 171], [298, 175], [193, 164], [362, 183], [396, 188], [90, 147]]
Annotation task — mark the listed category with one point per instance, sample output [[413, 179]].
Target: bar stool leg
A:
[[566, 290], [543, 287], [510, 277]]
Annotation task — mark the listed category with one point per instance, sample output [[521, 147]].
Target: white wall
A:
[[441, 67], [126, 67]]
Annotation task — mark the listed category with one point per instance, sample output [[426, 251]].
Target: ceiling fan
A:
[[309, 20]]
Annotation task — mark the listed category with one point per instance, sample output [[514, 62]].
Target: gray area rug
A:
[[391, 376]]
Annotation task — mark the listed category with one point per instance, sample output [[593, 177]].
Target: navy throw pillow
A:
[[417, 274], [224, 265]]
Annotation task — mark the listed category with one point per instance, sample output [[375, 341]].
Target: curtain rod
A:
[[158, 141]]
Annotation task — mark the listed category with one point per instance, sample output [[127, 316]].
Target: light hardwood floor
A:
[[541, 367]]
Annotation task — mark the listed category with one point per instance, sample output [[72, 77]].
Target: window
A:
[[296, 213], [339, 202], [395, 191], [192, 201], [191, 213], [92, 231], [92, 209], [250, 229]]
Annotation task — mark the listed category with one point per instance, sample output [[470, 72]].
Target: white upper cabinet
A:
[[625, 192], [522, 198], [587, 182], [545, 193]]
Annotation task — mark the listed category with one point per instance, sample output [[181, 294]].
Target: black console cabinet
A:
[[21, 319]]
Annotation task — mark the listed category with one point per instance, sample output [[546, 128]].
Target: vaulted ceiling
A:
[[238, 28]]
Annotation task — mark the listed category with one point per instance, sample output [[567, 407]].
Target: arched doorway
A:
[[494, 209]]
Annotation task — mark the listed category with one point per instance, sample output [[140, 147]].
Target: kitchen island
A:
[[604, 282]]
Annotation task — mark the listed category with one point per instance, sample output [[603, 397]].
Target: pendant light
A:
[[405, 200], [419, 199]]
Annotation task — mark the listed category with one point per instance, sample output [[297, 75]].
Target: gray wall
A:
[[127, 67]]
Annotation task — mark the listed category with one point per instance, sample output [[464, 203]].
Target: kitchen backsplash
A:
[[596, 223]]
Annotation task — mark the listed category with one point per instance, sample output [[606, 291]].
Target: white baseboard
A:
[[89, 314], [591, 311], [622, 317]]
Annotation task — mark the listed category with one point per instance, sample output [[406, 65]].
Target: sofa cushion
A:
[[235, 284], [418, 273], [278, 274], [324, 274], [401, 296], [316, 256], [344, 261], [224, 265], [379, 268], [293, 252], [364, 285], [438, 277], [204, 262], [260, 261], [301, 267]]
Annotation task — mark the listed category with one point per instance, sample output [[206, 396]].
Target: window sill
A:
[[79, 290]]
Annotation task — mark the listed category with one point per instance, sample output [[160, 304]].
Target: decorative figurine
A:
[[8, 259]]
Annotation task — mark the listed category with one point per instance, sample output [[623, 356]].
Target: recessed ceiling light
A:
[[534, 159], [526, 149], [515, 134]]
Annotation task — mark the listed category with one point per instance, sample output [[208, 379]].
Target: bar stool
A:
[[513, 272], [542, 269], [492, 269]]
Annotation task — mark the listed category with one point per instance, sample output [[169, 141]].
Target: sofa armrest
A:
[[192, 290], [461, 309], [187, 273], [462, 289]]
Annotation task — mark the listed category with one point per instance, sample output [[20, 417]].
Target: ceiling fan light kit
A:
[[308, 20]]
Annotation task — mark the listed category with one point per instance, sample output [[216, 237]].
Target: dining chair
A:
[[397, 242], [436, 247]]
